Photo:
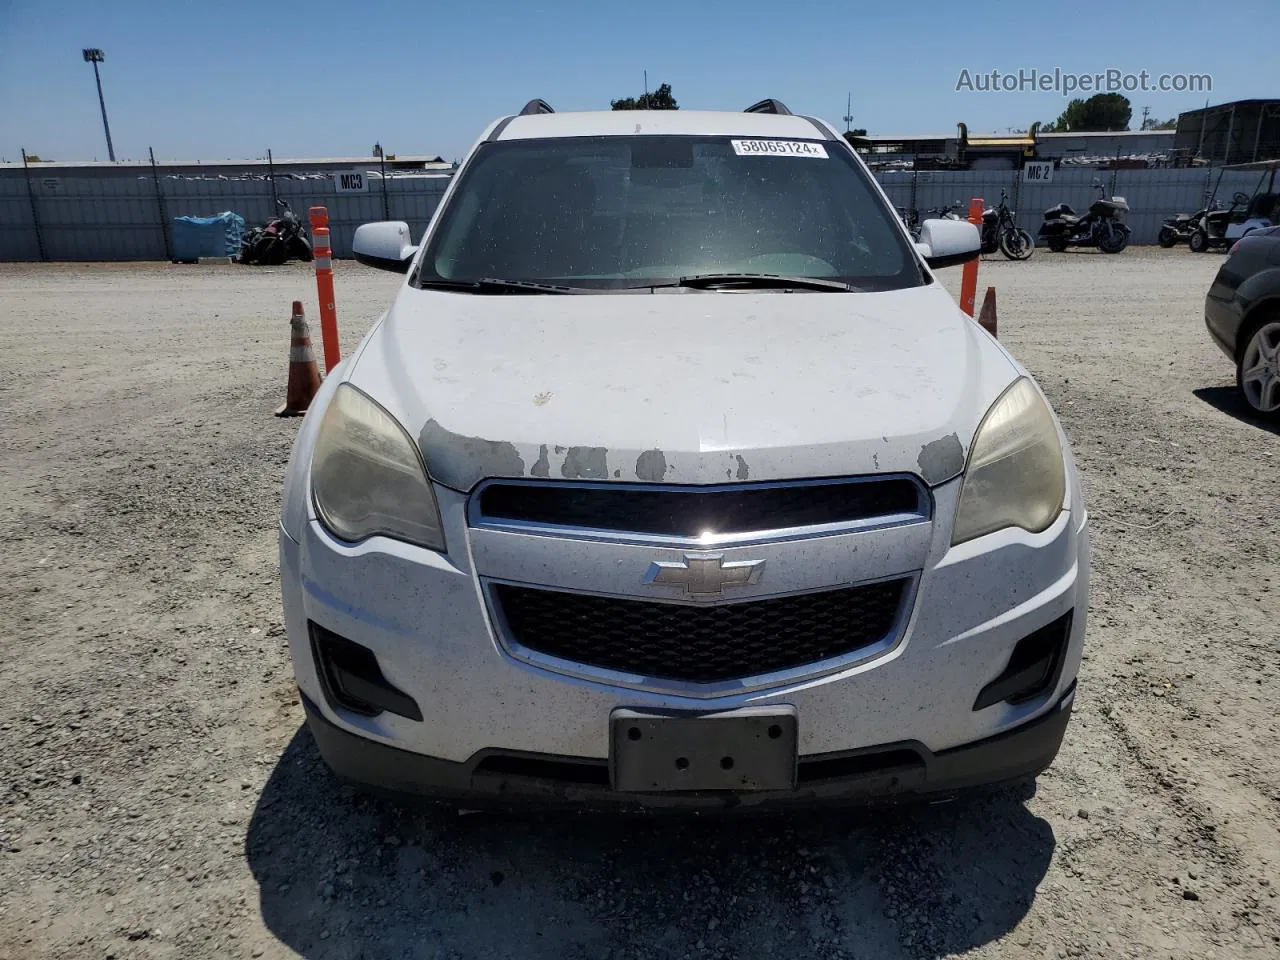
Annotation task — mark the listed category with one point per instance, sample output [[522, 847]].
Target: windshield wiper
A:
[[498, 285], [755, 281]]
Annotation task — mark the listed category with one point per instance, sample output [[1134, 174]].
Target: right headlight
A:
[[367, 478], [1015, 476]]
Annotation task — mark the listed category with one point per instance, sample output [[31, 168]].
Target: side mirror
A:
[[384, 245], [948, 243]]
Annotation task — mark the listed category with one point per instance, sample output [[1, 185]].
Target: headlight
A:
[[367, 477], [1015, 476]]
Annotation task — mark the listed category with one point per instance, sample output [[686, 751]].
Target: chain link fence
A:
[[1152, 194], [45, 216], [128, 216]]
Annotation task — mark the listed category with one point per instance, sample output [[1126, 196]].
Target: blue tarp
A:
[[216, 236]]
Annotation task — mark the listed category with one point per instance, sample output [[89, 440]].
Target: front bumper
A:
[[424, 616], [884, 773], [1222, 320]]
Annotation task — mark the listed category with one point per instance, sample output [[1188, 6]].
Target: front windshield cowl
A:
[[614, 214]]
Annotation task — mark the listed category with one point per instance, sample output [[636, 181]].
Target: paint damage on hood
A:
[[693, 388]]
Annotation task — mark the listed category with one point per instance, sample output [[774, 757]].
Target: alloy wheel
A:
[[1260, 369]]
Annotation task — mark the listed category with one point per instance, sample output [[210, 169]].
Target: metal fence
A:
[[127, 217], [1151, 194]]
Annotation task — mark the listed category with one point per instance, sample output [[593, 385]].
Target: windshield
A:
[[617, 212]]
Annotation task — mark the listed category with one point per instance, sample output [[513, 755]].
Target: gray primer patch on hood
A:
[[543, 467], [941, 460], [585, 463], [651, 465], [461, 462], [743, 470]]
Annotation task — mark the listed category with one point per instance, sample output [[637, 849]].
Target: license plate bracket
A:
[[741, 750]]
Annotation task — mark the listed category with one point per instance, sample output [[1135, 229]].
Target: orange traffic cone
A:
[[987, 318], [304, 375]]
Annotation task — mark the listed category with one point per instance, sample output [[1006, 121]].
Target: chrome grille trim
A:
[[923, 513]]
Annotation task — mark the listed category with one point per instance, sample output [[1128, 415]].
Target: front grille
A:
[[696, 644], [693, 511]]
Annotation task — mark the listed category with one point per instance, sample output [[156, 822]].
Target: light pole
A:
[[95, 56], [848, 114]]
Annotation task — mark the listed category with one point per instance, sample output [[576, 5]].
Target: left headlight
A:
[[1015, 476], [367, 478]]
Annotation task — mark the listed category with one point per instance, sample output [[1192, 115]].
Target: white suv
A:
[[673, 476]]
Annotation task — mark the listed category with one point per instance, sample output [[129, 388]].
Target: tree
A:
[[1102, 111], [660, 99], [858, 132], [1167, 125]]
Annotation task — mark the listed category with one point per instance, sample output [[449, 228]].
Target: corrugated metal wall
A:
[[122, 218], [1152, 195]]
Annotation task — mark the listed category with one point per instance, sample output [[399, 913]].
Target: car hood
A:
[[684, 388]]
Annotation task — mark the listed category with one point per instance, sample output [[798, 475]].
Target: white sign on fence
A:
[[350, 181], [1037, 171]]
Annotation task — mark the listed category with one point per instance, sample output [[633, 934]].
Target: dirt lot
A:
[[160, 799]]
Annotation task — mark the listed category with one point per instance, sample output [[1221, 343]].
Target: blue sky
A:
[[228, 78]]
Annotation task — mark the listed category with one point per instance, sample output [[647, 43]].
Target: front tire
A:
[[270, 252], [300, 247], [1198, 242], [1258, 372], [1114, 240], [1167, 238], [1017, 244]]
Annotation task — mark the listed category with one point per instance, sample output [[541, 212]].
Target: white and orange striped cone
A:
[[987, 318], [304, 375]]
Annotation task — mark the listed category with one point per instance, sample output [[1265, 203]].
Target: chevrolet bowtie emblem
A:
[[704, 574]]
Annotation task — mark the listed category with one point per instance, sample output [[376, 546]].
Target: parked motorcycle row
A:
[[1000, 230], [1216, 226], [280, 239], [1101, 226]]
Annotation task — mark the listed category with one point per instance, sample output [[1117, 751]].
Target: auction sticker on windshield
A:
[[779, 148]]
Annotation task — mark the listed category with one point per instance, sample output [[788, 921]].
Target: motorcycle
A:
[[1102, 226], [1000, 231], [278, 240], [1224, 226], [1179, 228], [911, 220], [945, 213]]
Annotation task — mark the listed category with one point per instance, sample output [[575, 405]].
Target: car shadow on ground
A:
[[343, 875], [1229, 401]]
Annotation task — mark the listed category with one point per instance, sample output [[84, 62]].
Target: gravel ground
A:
[[160, 798]]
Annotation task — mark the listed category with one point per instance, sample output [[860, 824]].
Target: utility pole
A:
[[1146, 112], [95, 56], [848, 113]]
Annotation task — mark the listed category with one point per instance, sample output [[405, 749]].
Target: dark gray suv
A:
[[1242, 312]]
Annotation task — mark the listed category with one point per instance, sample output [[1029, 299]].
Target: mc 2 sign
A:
[[350, 181], [1038, 171]]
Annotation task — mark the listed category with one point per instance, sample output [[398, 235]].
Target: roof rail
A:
[[769, 106], [536, 106]]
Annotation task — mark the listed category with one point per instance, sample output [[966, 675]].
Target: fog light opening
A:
[[352, 679], [1033, 668]]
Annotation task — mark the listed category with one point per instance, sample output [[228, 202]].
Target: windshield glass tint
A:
[[614, 212]]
